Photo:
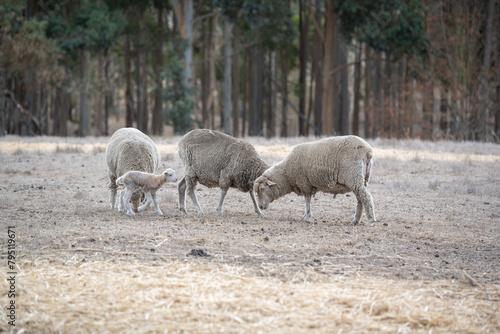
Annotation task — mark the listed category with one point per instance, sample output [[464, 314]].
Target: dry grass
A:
[[202, 297]]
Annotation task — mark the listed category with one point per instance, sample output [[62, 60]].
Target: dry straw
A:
[[199, 296]]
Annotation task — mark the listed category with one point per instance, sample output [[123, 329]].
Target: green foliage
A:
[[267, 21], [25, 46], [395, 26], [229, 8], [179, 98], [10, 17], [92, 27]]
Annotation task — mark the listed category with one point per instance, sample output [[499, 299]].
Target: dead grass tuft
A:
[[65, 148]]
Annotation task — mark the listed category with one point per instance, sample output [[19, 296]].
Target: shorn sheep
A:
[[215, 159], [148, 183], [130, 150], [335, 165]]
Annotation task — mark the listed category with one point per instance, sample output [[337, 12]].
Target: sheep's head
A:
[[169, 175], [136, 199], [265, 190]]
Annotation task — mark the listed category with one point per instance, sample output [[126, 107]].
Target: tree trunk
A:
[[212, 88], [227, 76], [3, 100], [436, 111], [386, 112], [235, 85], [327, 69], [377, 95], [303, 26], [108, 95], [98, 122], [205, 78], [318, 74], [141, 78], [401, 97], [246, 68], [485, 77], [256, 98], [129, 103], [344, 89], [357, 91], [84, 99], [497, 104], [270, 131], [188, 53], [157, 125], [367, 104], [310, 97], [284, 93]]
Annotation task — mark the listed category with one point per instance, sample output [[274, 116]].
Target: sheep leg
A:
[[148, 202], [256, 206], [191, 185], [181, 188], [192, 194], [126, 201], [121, 205], [155, 200], [308, 213], [357, 215], [223, 193], [113, 187], [366, 200]]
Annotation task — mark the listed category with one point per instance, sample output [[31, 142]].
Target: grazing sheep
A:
[[215, 159], [130, 149], [334, 165], [148, 183]]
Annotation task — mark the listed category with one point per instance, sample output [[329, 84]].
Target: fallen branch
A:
[[22, 110]]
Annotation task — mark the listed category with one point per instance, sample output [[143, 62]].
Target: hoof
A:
[[183, 210], [130, 213]]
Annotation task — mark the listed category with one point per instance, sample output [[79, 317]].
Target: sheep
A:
[[215, 159], [148, 183], [130, 149], [335, 165]]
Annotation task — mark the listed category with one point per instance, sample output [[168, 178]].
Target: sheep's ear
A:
[[270, 183]]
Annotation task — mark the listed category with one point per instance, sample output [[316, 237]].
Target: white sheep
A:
[[215, 159], [146, 182], [130, 149], [335, 165]]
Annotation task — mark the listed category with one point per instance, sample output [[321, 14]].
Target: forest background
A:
[[395, 69]]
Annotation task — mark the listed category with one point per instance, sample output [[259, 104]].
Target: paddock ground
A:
[[430, 263]]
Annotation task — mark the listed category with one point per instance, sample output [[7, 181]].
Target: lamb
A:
[[147, 182], [335, 165], [215, 159], [130, 149]]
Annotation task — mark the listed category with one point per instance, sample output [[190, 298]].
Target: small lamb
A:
[[146, 182]]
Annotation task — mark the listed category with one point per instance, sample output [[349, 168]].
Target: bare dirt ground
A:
[[431, 263]]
